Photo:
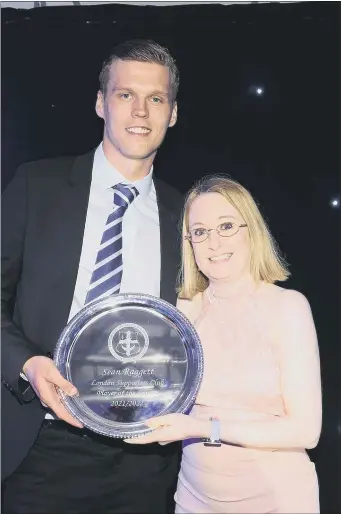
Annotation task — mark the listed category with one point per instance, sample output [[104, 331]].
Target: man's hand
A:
[[44, 377]]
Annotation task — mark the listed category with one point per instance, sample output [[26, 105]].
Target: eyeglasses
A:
[[227, 229]]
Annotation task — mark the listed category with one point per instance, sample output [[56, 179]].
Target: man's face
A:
[[137, 108]]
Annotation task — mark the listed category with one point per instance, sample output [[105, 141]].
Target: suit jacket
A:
[[43, 218]]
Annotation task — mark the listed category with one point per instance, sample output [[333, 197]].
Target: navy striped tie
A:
[[107, 275]]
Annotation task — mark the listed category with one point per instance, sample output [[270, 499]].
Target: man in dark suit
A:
[[56, 214]]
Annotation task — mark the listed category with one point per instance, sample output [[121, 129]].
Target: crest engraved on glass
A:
[[131, 357], [128, 348]]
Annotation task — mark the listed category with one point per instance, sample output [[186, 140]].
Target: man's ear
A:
[[174, 116], [100, 104]]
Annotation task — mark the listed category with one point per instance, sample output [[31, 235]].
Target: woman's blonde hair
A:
[[266, 264]]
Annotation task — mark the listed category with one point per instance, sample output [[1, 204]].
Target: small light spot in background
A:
[[256, 90]]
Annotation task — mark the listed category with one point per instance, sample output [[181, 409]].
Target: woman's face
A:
[[221, 256]]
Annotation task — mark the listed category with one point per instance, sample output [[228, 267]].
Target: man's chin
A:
[[139, 156]]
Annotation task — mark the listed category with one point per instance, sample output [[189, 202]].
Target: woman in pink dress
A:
[[259, 405]]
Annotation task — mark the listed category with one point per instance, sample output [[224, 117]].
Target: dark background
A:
[[282, 145]]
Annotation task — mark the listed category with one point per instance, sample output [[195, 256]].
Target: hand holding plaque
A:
[[173, 427], [132, 357]]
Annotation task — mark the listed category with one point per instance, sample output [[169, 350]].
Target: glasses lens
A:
[[227, 229], [198, 235]]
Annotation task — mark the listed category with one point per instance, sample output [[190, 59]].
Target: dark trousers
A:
[[70, 470]]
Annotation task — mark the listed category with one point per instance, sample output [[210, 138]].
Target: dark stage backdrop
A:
[[282, 144]]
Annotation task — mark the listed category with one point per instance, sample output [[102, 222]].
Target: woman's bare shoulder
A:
[[284, 304], [190, 308], [282, 296]]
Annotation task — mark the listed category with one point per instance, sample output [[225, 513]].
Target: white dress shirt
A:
[[141, 253], [140, 233]]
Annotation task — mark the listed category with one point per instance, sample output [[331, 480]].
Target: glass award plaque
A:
[[131, 357]]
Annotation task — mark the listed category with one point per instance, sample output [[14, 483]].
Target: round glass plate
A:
[[131, 357]]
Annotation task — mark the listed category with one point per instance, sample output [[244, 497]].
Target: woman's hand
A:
[[172, 427]]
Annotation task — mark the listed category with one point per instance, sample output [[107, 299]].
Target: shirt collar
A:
[[106, 175]]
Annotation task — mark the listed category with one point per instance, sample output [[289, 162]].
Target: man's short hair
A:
[[141, 50]]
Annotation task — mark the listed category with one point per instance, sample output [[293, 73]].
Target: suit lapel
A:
[[69, 231], [170, 243]]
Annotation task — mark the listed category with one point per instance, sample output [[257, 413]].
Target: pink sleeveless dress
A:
[[241, 382]]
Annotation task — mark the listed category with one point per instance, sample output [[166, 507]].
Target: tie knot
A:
[[124, 195]]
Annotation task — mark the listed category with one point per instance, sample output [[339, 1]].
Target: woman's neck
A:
[[229, 288]]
